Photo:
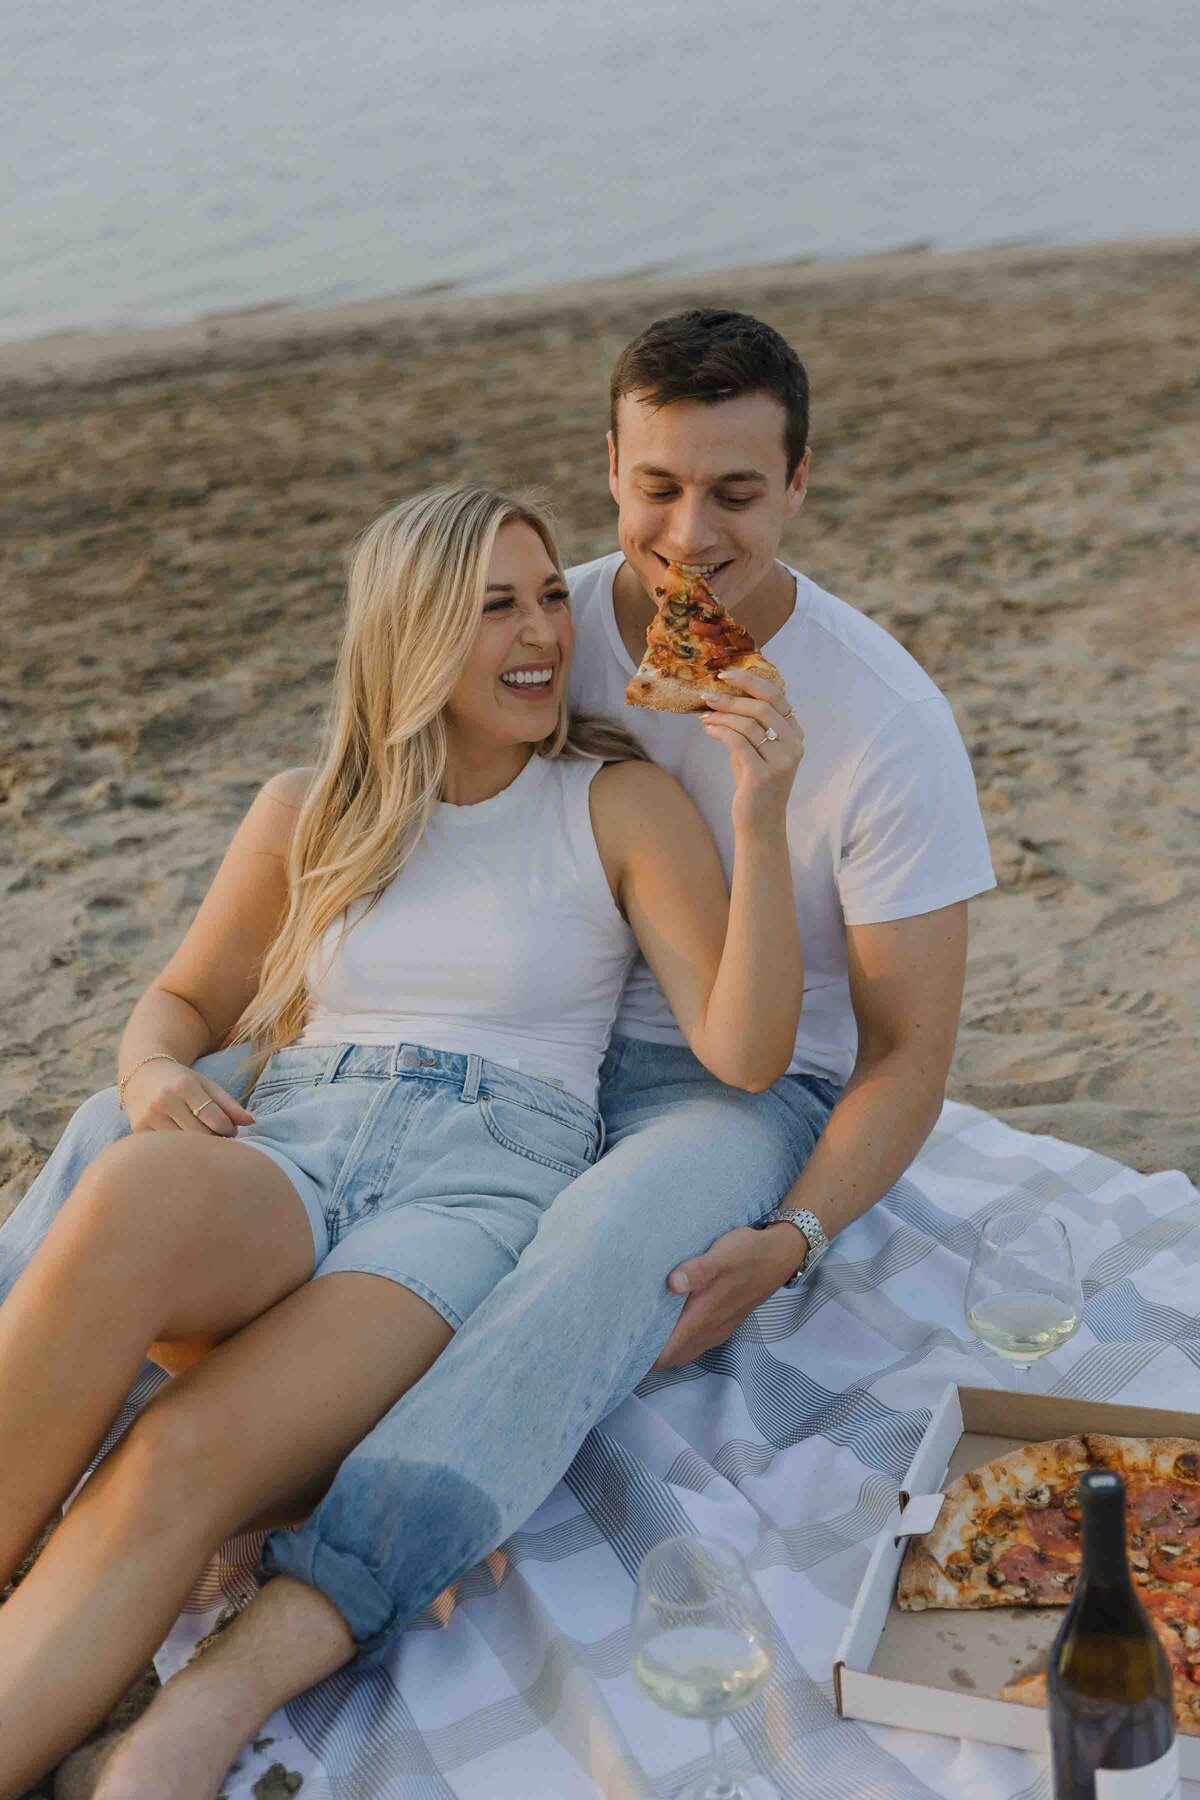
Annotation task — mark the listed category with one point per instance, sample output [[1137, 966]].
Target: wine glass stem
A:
[[721, 1787]]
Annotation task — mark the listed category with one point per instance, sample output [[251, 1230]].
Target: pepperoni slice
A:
[[1053, 1530], [1168, 1568]]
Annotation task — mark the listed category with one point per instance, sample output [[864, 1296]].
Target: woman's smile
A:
[[530, 681]]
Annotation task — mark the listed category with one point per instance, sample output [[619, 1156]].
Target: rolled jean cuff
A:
[[366, 1606]]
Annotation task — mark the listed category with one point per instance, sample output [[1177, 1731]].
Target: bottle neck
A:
[[1105, 1565]]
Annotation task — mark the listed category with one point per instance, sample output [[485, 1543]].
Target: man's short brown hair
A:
[[708, 355]]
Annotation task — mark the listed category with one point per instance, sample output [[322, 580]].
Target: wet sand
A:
[[1006, 449]]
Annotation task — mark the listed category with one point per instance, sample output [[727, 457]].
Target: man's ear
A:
[[798, 485], [613, 486]]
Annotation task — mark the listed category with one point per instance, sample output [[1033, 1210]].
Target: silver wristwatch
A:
[[814, 1231]]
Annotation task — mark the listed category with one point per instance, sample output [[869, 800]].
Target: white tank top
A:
[[499, 936]]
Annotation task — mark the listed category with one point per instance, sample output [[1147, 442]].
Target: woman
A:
[[423, 941]]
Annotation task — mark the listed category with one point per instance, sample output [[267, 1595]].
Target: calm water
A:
[[161, 162]]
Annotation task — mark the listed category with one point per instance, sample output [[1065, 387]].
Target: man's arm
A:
[[906, 981]]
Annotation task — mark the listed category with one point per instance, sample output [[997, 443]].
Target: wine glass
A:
[[1023, 1296], [702, 1640]]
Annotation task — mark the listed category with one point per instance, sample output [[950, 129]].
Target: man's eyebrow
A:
[[730, 475]]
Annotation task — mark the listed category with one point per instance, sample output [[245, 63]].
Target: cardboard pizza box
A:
[[938, 1670]]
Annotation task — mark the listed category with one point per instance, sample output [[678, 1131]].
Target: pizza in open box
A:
[[1008, 1535]]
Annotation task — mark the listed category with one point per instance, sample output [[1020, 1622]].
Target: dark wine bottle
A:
[[1112, 1715]]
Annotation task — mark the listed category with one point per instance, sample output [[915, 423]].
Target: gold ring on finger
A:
[[790, 713], [770, 736], [197, 1110]]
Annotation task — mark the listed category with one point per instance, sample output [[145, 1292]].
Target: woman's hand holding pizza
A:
[[766, 745]]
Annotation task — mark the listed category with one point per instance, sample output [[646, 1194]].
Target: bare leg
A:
[[268, 1414], [165, 1235]]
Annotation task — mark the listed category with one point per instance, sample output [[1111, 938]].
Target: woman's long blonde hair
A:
[[414, 603]]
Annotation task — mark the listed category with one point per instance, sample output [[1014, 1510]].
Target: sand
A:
[[1005, 468]]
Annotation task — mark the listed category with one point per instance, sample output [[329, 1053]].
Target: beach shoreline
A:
[[85, 354]]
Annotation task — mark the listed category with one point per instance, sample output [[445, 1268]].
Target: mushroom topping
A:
[[1139, 1560], [1038, 1496], [982, 1547], [1170, 1549], [996, 1579]]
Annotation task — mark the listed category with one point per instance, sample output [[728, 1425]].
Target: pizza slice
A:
[[690, 640], [1176, 1621], [1007, 1534]]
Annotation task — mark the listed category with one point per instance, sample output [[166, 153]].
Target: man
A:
[[664, 1247]]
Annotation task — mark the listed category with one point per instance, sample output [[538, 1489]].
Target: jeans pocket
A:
[[266, 1100], [542, 1136], [285, 1072]]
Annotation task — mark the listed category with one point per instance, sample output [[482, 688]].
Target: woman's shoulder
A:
[[630, 797], [272, 818], [289, 787]]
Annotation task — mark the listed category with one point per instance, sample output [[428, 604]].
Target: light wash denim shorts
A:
[[430, 1168]]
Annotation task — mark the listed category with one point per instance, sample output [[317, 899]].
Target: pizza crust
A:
[[922, 1583], [661, 693], [1027, 1690], [1153, 1459], [664, 693]]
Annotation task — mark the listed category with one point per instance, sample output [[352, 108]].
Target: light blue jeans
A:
[[464, 1458]]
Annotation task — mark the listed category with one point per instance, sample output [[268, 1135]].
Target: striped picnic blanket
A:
[[790, 1441]]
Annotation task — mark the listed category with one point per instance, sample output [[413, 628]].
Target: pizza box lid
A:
[[939, 1670]]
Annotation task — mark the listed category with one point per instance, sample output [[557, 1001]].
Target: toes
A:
[[76, 1778]]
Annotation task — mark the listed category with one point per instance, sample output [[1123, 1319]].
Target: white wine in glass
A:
[[1023, 1298], [702, 1640]]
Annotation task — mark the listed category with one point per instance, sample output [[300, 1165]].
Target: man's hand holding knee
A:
[[736, 1274]]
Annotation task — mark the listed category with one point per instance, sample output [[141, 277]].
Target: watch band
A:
[[810, 1225]]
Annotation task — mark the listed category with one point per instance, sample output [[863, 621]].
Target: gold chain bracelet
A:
[[153, 1057]]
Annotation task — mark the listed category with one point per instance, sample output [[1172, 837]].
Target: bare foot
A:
[[181, 1748], [76, 1778]]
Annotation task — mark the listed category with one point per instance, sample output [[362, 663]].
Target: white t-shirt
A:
[[883, 821]]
